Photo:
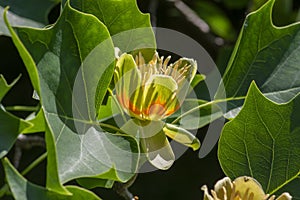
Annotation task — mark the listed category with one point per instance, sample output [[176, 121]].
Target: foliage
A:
[[262, 141], [71, 65]]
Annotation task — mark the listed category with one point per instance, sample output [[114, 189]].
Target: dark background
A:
[[189, 173]]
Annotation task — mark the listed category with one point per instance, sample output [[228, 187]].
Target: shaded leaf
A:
[[263, 141], [94, 182], [24, 190], [34, 13], [26, 57], [10, 126], [217, 19], [266, 54], [196, 80]]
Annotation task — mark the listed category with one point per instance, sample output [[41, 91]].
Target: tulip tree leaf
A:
[[267, 54], [34, 13], [125, 19], [196, 80], [110, 109], [24, 190], [263, 141], [37, 121], [4, 87], [93, 182], [10, 126], [75, 58]]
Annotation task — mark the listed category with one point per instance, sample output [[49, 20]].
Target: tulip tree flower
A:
[[242, 188], [149, 93]]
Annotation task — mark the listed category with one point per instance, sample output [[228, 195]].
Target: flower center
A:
[[160, 66]]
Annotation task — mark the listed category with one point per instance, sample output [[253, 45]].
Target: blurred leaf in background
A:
[[216, 18]]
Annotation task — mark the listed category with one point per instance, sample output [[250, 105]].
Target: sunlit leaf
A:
[[73, 70], [130, 28], [263, 141]]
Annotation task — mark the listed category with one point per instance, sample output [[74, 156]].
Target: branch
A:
[[122, 189], [25, 142], [153, 5], [194, 18]]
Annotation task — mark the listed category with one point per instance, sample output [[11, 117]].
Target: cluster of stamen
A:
[[225, 189], [160, 66]]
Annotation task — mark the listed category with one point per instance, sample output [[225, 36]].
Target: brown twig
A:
[[194, 18], [153, 5], [122, 189], [25, 142]]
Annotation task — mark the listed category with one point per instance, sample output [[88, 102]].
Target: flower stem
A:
[[22, 108], [122, 189], [111, 127], [206, 104], [34, 164]]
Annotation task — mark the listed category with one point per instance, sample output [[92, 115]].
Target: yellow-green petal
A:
[[127, 80], [182, 136], [223, 188], [186, 70], [158, 150], [247, 185], [186, 67], [160, 98]]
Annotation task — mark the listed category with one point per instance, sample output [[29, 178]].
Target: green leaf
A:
[[38, 122], [263, 141], [257, 4], [94, 182], [53, 181], [130, 28], [266, 54], [10, 126], [24, 190], [26, 57], [217, 19], [4, 87], [79, 194], [197, 79], [34, 13], [74, 70], [110, 109]]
